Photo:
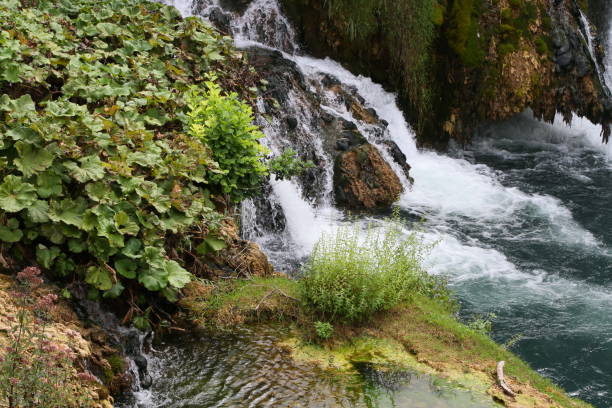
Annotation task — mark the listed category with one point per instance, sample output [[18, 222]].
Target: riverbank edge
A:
[[421, 336]]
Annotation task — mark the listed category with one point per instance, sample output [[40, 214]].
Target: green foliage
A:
[[287, 165], [96, 173], [483, 324], [349, 276], [542, 46], [225, 124], [408, 29], [324, 329], [515, 23]]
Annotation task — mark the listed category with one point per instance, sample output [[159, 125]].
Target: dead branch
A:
[[502, 381]]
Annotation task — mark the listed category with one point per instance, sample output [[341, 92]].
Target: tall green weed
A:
[[352, 275]]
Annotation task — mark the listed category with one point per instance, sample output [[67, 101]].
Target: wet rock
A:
[[327, 117], [329, 80], [343, 144], [141, 362], [292, 122], [398, 157], [236, 6], [564, 59], [132, 343], [146, 381], [363, 180], [282, 74], [220, 20]]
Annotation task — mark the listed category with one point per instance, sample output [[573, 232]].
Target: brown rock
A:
[[240, 258], [364, 180]]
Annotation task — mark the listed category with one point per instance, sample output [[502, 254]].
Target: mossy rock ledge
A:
[[481, 61], [421, 336]]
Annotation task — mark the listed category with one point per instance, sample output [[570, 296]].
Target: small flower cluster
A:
[[30, 276], [34, 370]]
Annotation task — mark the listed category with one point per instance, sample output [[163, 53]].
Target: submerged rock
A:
[[364, 180]]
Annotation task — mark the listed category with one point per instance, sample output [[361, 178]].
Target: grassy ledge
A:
[[364, 298], [421, 335]]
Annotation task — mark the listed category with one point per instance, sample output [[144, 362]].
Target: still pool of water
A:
[[248, 369]]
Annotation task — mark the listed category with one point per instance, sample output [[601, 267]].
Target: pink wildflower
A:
[[13, 380], [47, 301], [86, 377], [30, 276]]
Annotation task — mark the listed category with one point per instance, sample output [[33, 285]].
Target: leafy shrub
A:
[[483, 324], [34, 371], [288, 164], [225, 124], [96, 171], [324, 329], [349, 276]]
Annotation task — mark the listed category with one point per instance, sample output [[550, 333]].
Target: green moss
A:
[[438, 15], [542, 46], [225, 304], [459, 25], [464, 34], [506, 15], [117, 363]]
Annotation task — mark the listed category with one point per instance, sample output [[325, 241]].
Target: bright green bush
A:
[[324, 329], [96, 171], [351, 275], [225, 124]]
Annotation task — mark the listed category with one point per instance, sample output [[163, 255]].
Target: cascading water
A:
[[522, 218]]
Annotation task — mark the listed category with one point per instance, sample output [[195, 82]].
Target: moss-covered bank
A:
[[457, 63], [421, 335]]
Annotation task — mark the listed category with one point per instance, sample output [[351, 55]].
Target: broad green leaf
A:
[[141, 322], [68, 211], [11, 73], [100, 192], [64, 265], [114, 292], [210, 244], [48, 185], [32, 160], [133, 248], [215, 244], [15, 195], [45, 256], [125, 225], [99, 277], [177, 276], [23, 133], [126, 268], [77, 245], [170, 293], [18, 108], [153, 279], [10, 235], [38, 211], [91, 168]]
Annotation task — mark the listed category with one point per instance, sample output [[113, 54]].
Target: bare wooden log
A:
[[502, 382]]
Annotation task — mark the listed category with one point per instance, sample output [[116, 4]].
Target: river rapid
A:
[[522, 217]]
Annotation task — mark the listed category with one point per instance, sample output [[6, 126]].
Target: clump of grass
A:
[[351, 275]]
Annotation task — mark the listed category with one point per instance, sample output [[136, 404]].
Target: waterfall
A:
[[587, 35], [478, 215]]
